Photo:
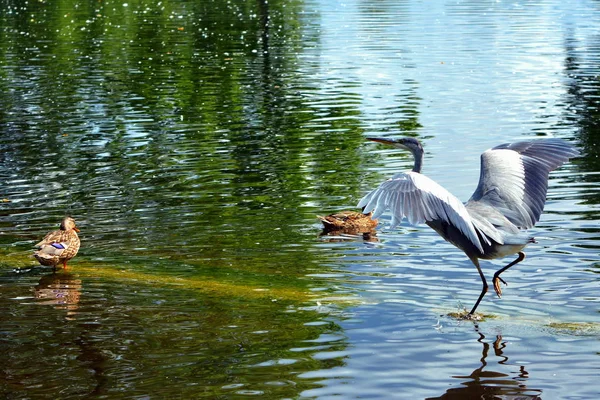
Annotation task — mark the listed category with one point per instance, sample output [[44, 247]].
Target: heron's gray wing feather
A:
[[419, 199], [514, 177]]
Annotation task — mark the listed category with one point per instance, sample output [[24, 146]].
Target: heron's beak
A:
[[382, 140], [76, 229]]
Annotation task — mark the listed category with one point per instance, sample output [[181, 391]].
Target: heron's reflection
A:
[[60, 290], [485, 383]]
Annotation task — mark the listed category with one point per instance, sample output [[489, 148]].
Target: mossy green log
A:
[[85, 268]]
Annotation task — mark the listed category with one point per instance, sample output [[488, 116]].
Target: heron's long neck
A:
[[418, 161]]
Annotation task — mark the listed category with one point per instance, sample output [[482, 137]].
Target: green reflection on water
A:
[[180, 136]]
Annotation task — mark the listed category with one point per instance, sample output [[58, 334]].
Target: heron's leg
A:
[[497, 278], [65, 264], [483, 290]]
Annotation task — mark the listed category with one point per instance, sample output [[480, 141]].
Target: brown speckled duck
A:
[[348, 222], [59, 246]]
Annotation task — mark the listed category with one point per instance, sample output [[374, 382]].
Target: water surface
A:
[[195, 143]]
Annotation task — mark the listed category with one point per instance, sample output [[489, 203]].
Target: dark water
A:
[[195, 142]]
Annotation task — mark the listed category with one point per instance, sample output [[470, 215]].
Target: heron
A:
[[509, 199]]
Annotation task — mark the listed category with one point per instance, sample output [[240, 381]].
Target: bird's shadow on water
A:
[[486, 383]]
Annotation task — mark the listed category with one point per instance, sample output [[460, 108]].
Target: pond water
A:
[[196, 142]]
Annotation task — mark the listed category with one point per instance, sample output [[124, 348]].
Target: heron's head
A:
[[68, 224], [406, 143]]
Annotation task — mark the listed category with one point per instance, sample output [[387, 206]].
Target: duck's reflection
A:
[[342, 236], [484, 383], [60, 289]]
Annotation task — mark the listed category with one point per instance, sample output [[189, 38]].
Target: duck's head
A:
[[67, 224]]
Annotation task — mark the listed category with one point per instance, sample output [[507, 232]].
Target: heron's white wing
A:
[[419, 199], [514, 177]]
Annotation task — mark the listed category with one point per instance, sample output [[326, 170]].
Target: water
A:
[[195, 143]]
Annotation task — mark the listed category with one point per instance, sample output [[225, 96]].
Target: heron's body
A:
[[512, 243], [59, 246], [509, 198]]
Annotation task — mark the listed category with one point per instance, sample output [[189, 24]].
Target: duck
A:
[[352, 222], [59, 246]]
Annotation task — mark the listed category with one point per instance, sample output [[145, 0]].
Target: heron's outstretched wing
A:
[[514, 177], [419, 199]]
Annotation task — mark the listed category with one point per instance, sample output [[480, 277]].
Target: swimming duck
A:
[[348, 222], [59, 246]]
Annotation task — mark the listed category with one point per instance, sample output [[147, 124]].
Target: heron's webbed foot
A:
[[496, 281], [497, 278]]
